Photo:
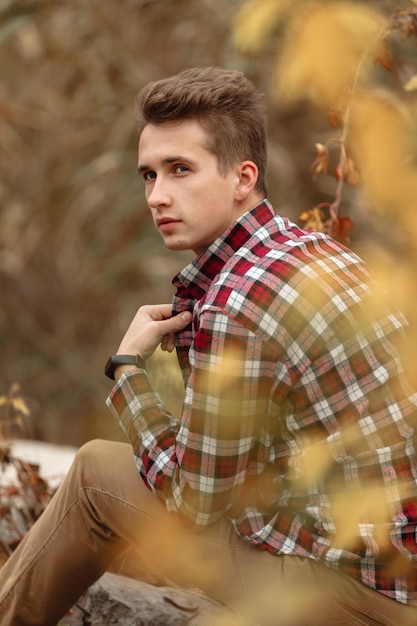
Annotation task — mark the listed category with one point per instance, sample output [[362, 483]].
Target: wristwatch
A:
[[122, 359]]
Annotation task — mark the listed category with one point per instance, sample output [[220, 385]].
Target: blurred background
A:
[[78, 252]]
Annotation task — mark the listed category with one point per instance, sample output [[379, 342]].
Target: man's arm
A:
[[199, 467]]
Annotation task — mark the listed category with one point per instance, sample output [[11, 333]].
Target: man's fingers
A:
[[159, 311], [176, 323], [167, 343], [149, 328], [179, 322], [183, 319]]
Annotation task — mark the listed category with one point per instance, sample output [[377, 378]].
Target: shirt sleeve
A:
[[200, 463]]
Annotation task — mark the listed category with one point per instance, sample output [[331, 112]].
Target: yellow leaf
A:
[[315, 461], [412, 83], [352, 510], [312, 219], [255, 20], [323, 52], [382, 148], [20, 405]]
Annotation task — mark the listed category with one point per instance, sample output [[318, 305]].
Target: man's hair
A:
[[224, 102]]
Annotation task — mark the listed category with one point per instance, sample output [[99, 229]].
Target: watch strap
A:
[[122, 359]]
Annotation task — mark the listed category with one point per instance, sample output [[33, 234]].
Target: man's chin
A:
[[177, 246]]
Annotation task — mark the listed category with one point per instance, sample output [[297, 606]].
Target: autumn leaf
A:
[[321, 162], [380, 141], [352, 508], [411, 85], [20, 406], [341, 227], [315, 461], [405, 20], [383, 55], [312, 219], [335, 115], [324, 49], [255, 20], [350, 174]]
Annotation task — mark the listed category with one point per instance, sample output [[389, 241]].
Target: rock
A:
[[116, 599]]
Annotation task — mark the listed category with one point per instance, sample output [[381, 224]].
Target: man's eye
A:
[[180, 169], [148, 176]]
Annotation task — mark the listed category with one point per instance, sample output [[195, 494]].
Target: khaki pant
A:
[[102, 508]]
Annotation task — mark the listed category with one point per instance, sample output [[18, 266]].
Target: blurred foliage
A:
[[356, 63], [77, 250], [78, 253]]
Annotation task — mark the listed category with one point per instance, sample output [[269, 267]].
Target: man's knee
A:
[[91, 452], [93, 448], [97, 460]]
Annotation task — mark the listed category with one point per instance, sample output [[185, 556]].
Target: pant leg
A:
[[102, 507], [97, 510], [296, 591]]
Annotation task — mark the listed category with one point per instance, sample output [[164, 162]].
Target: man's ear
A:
[[247, 173]]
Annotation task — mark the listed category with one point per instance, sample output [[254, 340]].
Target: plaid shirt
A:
[[297, 421]]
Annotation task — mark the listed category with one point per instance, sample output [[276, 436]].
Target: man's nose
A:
[[159, 194]]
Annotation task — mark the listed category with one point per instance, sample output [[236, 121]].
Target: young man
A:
[[287, 486]]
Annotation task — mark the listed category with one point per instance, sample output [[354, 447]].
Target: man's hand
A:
[[153, 325]]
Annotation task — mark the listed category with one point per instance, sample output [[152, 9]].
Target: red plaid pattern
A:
[[295, 401]]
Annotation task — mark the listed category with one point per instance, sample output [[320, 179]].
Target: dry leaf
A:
[[321, 162], [20, 406], [384, 55], [350, 174], [341, 227], [312, 219], [255, 20], [382, 149], [322, 53], [411, 85], [353, 510]]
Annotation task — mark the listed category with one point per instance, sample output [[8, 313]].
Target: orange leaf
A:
[[384, 56], [341, 228], [335, 117], [350, 173]]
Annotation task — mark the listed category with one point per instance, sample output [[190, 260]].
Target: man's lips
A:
[[166, 223]]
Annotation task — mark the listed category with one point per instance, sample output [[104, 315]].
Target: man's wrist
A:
[[118, 360]]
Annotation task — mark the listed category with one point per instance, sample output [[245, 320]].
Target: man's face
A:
[[190, 201]]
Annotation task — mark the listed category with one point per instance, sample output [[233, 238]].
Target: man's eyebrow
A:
[[171, 159]]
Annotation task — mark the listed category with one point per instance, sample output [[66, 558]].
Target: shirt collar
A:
[[198, 275]]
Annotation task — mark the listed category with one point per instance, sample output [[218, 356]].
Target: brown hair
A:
[[224, 102]]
